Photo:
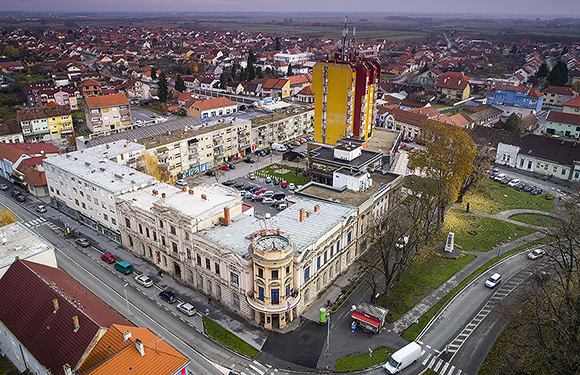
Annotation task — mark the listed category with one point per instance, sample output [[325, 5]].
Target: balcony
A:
[[266, 307]]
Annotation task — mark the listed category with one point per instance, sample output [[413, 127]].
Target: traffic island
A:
[[363, 360], [228, 339]]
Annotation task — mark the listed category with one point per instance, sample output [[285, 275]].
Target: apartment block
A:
[[281, 126], [106, 113], [45, 123]]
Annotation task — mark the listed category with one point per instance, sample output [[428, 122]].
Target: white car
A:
[[186, 308], [536, 254], [493, 280], [144, 280], [181, 183], [267, 201], [291, 186], [513, 182]]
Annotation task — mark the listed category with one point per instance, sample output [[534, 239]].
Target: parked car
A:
[[276, 181], [256, 188], [513, 182], [248, 195], [493, 174], [144, 280], [231, 166], [224, 168], [282, 206], [181, 183], [521, 185], [268, 194], [284, 184], [229, 182], [528, 188], [109, 258], [168, 296], [252, 176], [291, 186], [268, 180], [41, 209], [186, 308], [537, 191], [499, 177], [83, 242], [257, 198], [267, 201], [536, 254], [296, 143], [3, 187], [210, 173], [21, 198], [249, 187], [15, 193], [239, 185], [505, 180], [249, 161], [493, 280], [261, 191]]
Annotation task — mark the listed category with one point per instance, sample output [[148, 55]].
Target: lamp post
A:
[[127, 300], [327, 338]]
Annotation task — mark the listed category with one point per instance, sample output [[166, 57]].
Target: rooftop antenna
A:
[[343, 53]]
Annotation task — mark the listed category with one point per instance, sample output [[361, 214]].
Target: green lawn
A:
[[228, 339], [362, 361], [411, 333], [536, 219], [492, 197], [421, 278], [284, 172], [479, 233]]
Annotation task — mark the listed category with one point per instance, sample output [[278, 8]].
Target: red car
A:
[[109, 258], [284, 183], [261, 191], [224, 168]]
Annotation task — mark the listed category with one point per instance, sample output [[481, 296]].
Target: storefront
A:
[[369, 317]]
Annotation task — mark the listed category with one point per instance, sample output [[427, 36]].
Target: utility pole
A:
[[127, 300], [327, 338]]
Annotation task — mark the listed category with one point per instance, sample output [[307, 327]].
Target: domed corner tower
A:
[[274, 298]]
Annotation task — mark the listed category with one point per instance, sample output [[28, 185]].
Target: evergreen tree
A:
[[559, 74], [543, 71], [223, 80], [188, 71], [513, 123], [162, 88], [243, 74], [234, 70], [278, 46], [251, 56], [259, 73], [179, 83], [251, 72], [153, 73], [289, 70]]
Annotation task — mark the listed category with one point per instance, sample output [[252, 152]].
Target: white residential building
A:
[[85, 187], [293, 58], [121, 152]]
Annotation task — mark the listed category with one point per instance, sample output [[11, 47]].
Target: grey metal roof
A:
[[138, 134]]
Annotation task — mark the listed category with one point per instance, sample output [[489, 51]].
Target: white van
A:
[[279, 147], [403, 358]]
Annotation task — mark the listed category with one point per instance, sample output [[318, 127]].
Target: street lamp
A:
[[327, 338], [127, 300]]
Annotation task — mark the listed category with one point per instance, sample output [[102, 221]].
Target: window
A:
[[199, 260], [174, 247], [147, 232], [338, 245], [260, 272], [331, 250], [287, 270], [161, 223], [163, 240], [236, 301], [234, 279], [188, 253], [288, 290], [96, 201], [348, 237], [318, 262], [140, 229], [217, 268], [260, 293], [127, 223], [274, 274], [84, 205], [106, 217], [172, 230], [114, 221], [306, 273], [325, 256], [131, 241], [154, 236], [207, 264], [187, 236], [77, 202]]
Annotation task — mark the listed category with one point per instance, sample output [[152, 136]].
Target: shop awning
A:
[[366, 319]]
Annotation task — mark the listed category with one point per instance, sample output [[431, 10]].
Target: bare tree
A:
[[485, 155]]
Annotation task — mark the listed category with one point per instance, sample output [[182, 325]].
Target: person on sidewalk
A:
[[209, 300]]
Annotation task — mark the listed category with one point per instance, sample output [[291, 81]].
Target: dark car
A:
[[256, 188], [239, 185], [257, 198], [15, 193], [536, 191], [249, 161], [231, 166], [168, 296], [21, 198], [521, 185], [210, 173], [276, 181], [249, 187], [229, 183], [529, 188]]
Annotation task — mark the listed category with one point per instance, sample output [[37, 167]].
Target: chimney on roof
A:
[[139, 346], [317, 208], [126, 335], [302, 214], [155, 192], [55, 305], [76, 324], [204, 197], [163, 195], [227, 220], [307, 213], [67, 369], [184, 189], [190, 191]]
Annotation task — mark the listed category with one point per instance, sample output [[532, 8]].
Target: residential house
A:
[[453, 85], [556, 95], [298, 82], [293, 56], [428, 78], [10, 131], [90, 87], [202, 109], [516, 96], [408, 123], [41, 95], [45, 123], [185, 97], [572, 106], [563, 124], [207, 81], [484, 117], [190, 82], [234, 88], [306, 95], [276, 88], [135, 89], [50, 322], [215, 70], [107, 112]]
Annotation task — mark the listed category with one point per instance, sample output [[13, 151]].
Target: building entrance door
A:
[[275, 296]]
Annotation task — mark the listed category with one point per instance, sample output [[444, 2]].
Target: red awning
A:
[[366, 319]]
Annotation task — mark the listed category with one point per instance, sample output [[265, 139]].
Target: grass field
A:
[[276, 171], [420, 279], [536, 219], [492, 197], [228, 339], [362, 361]]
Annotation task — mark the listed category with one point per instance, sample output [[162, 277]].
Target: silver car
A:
[[186, 308], [144, 280]]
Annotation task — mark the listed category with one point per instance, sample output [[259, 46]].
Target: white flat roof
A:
[[192, 205], [302, 234], [20, 242], [113, 149], [100, 172]]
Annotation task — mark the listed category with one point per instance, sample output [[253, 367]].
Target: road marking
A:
[[458, 372], [426, 359], [439, 363], [451, 370], [444, 368], [259, 371], [432, 362], [428, 347]]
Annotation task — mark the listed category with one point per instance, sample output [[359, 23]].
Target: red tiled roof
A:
[[575, 102], [559, 90], [564, 118], [9, 153], [214, 103], [42, 112], [300, 79], [35, 148], [90, 82], [32, 176], [452, 80], [36, 160], [306, 91], [26, 309], [106, 100], [274, 84], [407, 117]]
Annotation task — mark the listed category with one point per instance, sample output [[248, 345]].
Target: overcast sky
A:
[[498, 7]]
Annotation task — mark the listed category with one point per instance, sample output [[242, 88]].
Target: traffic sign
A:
[[207, 312]]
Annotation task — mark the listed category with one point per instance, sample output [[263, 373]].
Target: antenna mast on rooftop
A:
[[343, 52]]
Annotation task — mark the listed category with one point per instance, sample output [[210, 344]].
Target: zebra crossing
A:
[[32, 224], [438, 365], [257, 368], [501, 293]]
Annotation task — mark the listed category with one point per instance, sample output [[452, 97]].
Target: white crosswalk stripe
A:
[[451, 370], [444, 368], [426, 359], [439, 363], [432, 362]]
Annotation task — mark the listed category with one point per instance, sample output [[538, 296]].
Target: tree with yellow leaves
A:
[[148, 163], [447, 160], [6, 217]]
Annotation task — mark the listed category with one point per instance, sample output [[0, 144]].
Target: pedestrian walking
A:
[[209, 300]]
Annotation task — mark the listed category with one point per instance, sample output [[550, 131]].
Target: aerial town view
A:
[[249, 188]]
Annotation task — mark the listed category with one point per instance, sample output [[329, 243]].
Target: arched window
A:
[[218, 292], [200, 282], [235, 301], [306, 296], [209, 288]]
